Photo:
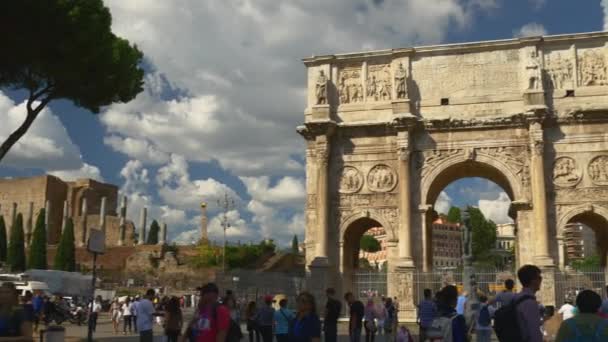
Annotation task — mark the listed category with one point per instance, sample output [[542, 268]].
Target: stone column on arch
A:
[[323, 153], [424, 210], [539, 195], [405, 194]]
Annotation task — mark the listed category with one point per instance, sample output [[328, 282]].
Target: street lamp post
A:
[[227, 204]]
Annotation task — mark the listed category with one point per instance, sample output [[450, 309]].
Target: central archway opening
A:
[[365, 258], [488, 191], [586, 241]]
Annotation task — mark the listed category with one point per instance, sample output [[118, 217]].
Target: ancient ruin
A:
[[387, 131]]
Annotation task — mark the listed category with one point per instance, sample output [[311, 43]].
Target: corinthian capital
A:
[[537, 147]]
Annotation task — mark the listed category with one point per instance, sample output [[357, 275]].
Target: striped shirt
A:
[[427, 311]]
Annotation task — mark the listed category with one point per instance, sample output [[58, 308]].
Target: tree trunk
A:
[[19, 132]]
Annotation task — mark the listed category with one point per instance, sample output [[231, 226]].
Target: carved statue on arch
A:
[[321, 88]]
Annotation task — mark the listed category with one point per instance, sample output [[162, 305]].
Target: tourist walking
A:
[[427, 311], [145, 317], [115, 314], [528, 312], [449, 325], [283, 318], [483, 323], [212, 321], [390, 324], [370, 321], [587, 325], [461, 303], [38, 306], [333, 308], [504, 297], [265, 319], [307, 325], [134, 317], [173, 319], [381, 316], [567, 310], [96, 309], [127, 312], [250, 316], [355, 323]]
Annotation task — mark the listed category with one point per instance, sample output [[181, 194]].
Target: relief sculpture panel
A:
[[381, 178], [560, 71], [598, 170], [350, 180], [350, 88], [566, 172], [592, 68], [379, 84]]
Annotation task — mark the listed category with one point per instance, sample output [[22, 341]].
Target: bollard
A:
[[53, 333]]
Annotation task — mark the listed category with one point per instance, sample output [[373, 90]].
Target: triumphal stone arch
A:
[[387, 130]]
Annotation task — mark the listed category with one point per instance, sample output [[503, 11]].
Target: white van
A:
[[34, 287]]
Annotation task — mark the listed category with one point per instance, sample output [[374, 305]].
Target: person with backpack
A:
[[521, 320], [506, 296], [427, 311], [265, 319], [212, 321], [332, 313], [587, 325], [448, 326], [355, 324], [283, 319], [306, 326], [483, 324]]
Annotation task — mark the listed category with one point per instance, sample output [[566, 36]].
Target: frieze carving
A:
[[321, 88], [391, 216], [378, 83], [381, 178], [598, 170], [578, 195], [405, 284], [388, 216], [401, 82], [311, 201], [350, 89], [514, 157], [592, 69], [430, 159], [566, 172], [517, 120], [359, 200], [350, 180], [559, 72]]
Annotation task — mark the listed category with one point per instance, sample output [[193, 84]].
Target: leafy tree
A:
[[153, 233], [241, 256], [484, 234], [65, 258], [588, 263], [295, 246], [369, 244], [65, 49], [2, 239], [37, 257], [16, 247], [454, 215]]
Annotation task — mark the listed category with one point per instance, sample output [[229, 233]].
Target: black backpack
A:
[[506, 322], [234, 330]]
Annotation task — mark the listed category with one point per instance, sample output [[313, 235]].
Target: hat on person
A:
[[210, 288]]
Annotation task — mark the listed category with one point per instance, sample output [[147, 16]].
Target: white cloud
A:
[[529, 30], [604, 5], [287, 191], [497, 210], [443, 203], [86, 171], [140, 149], [175, 186], [537, 4], [46, 145]]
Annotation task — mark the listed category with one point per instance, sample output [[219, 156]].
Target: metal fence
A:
[[368, 283], [569, 282]]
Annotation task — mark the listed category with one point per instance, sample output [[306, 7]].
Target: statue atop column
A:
[[321, 88], [534, 70]]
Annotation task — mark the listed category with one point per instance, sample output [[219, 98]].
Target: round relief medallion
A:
[[598, 170], [350, 180], [381, 178], [565, 172]]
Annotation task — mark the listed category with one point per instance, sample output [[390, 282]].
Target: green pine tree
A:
[[454, 215], [153, 233], [65, 258], [37, 257], [2, 239], [16, 248], [295, 246]]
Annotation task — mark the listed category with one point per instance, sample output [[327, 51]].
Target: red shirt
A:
[[208, 327]]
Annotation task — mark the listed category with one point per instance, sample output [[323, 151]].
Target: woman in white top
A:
[[126, 309], [567, 310], [116, 315]]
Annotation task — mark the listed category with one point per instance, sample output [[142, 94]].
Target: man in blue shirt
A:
[[145, 322], [460, 305], [282, 320], [427, 311]]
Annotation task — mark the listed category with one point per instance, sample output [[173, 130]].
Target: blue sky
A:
[[225, 91]]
